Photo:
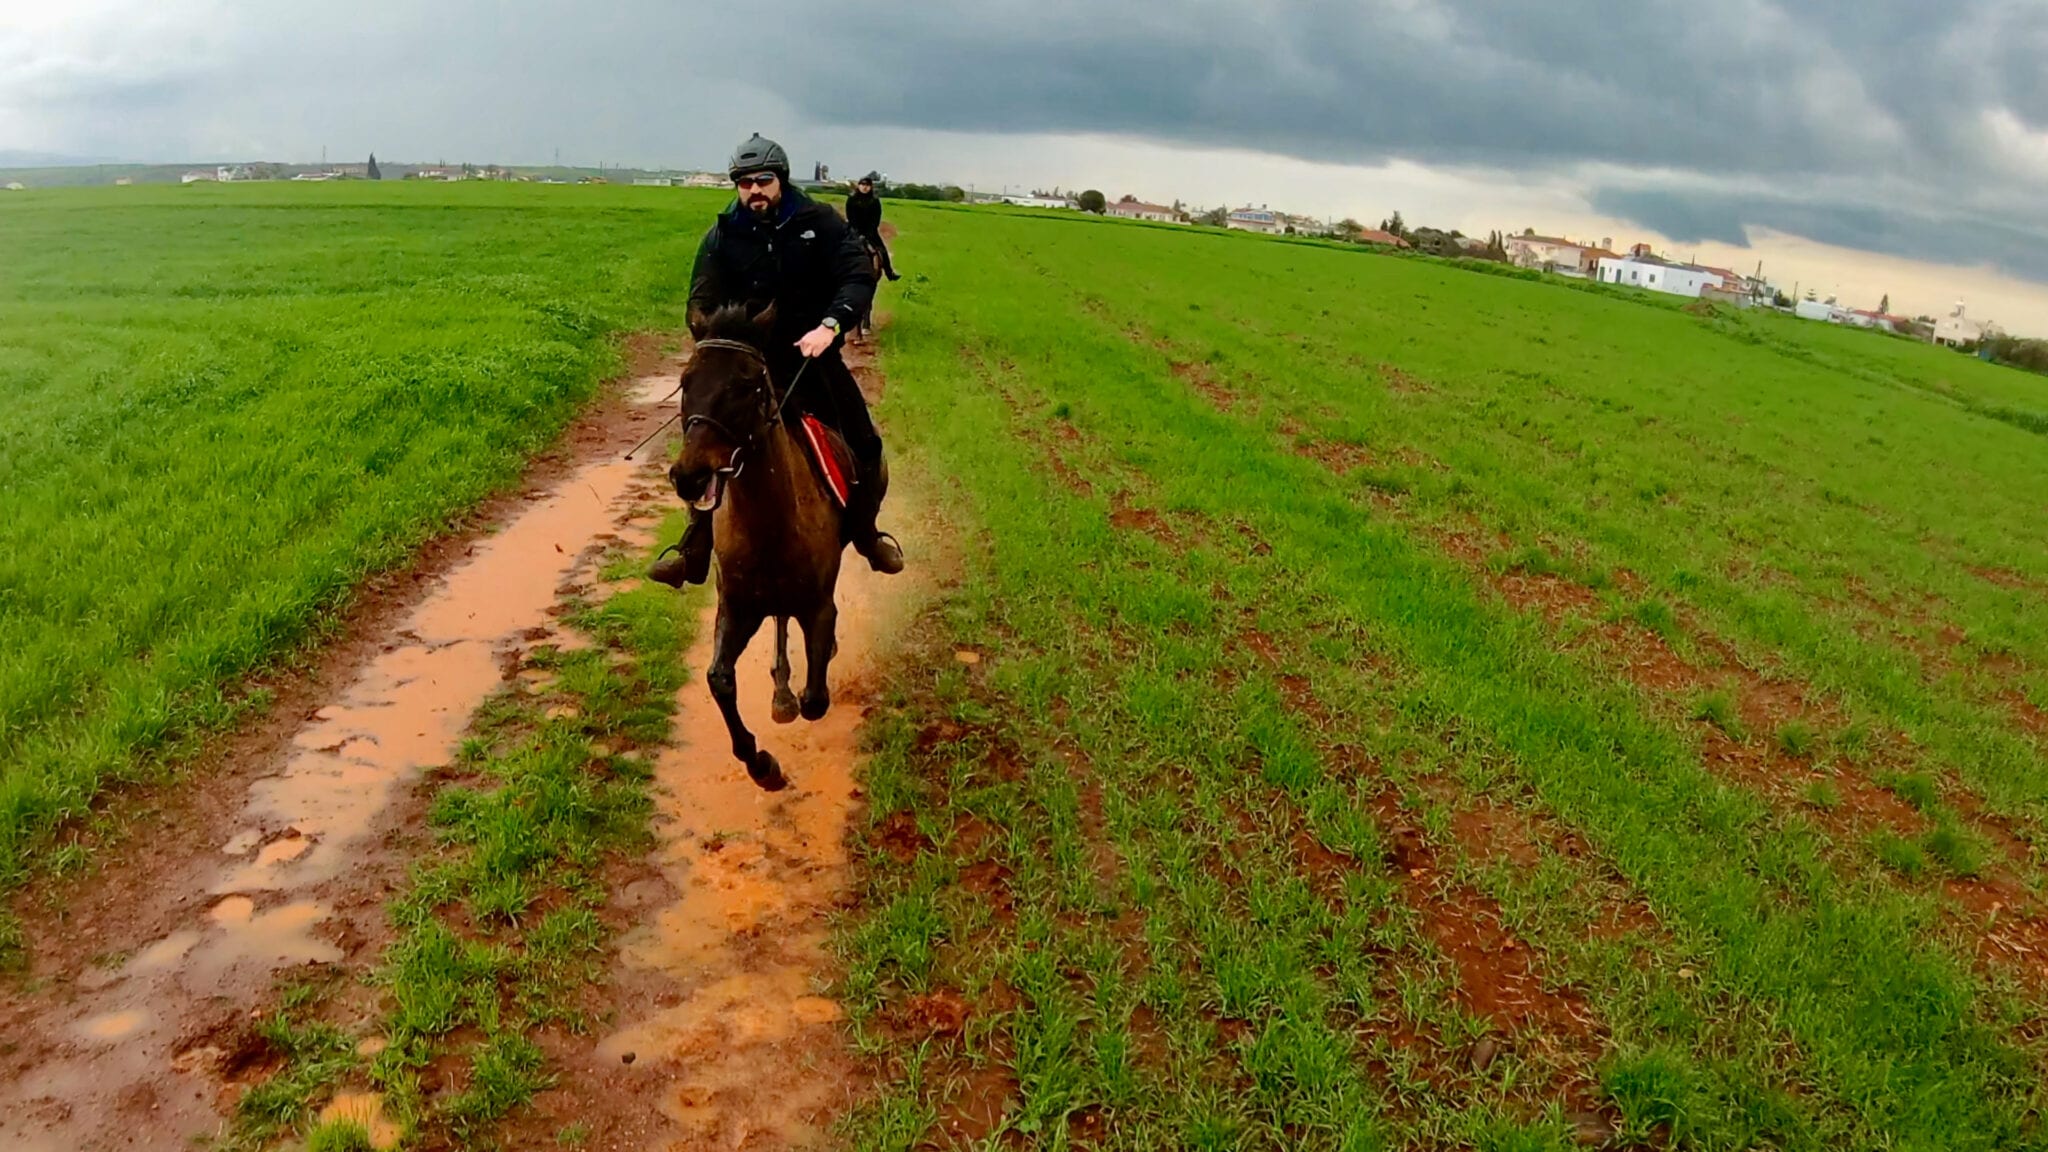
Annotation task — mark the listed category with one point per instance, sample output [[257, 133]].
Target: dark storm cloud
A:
[[1747, 85], [1650, 96]]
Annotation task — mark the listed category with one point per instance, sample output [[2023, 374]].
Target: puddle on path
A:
[[307, 826]]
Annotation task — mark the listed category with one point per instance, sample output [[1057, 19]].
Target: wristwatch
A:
[[831, 322]]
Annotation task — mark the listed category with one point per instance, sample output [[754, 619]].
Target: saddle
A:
[[830, 458]]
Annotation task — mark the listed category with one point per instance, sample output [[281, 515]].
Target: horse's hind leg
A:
[[821, 643], [729, 638], [785, 700]]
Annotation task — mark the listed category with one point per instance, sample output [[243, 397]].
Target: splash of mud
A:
[[305, 827], [365, 1110], [749, 1055]]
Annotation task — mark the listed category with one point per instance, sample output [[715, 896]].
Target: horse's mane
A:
[[734, 322]]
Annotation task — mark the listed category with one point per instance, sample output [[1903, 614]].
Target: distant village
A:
[[1637, 267]]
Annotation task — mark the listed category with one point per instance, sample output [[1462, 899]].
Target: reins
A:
[[731, 468]]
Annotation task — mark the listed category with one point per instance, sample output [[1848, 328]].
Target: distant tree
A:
[[1215, 218], [1435, 242], [1496, 246], [1348, 229], [374, 174], [1092, 201], [2031, 355], [1528, 231], [1127, 198], [1884, 305], [922, 192], [1395, 225]]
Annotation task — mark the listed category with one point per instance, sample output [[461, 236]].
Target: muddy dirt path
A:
[[123, 1035], [745, 1052], [722, 1036]]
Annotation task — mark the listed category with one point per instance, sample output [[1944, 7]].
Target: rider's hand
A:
[[816, 342]]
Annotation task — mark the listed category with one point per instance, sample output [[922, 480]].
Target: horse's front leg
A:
[[821, 643], [730, 636], [785, 700]]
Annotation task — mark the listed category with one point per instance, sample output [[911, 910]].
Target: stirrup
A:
[[884, 554]]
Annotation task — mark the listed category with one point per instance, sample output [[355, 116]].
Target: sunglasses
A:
[[757, 180]]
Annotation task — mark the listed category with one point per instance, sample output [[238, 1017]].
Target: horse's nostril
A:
[[688, 484]]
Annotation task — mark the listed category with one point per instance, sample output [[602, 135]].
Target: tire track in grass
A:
[[1500, 979], [1981, 744], [1498, 989], [1216, 855], [1910, 836], [1879, 806]]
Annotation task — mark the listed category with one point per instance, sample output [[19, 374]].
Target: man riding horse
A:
[[864, 212], [777, 245]]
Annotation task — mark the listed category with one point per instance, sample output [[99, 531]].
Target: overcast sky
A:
[[1880, 146]]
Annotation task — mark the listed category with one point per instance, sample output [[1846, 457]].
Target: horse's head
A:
[[727, 400]]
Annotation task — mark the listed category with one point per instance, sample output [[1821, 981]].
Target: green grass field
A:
[[1414, 708], [227, 405], [1422, 708]]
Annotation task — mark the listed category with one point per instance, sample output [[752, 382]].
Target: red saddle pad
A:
[[829, 452]]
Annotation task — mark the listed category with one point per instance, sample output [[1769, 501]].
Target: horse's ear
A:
[[700, 322], [765, 318]]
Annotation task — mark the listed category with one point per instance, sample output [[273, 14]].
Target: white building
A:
[[17, 186], [1139, 210], [1545, 252], [1039, 201], [705, 180], [1656, 275], [1826, 310], [1254, 220], [652, 182], [198, 177], [1955, 329]]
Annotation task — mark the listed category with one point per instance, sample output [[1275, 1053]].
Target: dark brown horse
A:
[[776, 530]]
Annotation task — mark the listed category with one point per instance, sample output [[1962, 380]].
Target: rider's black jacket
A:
[[864, 212], [805, 259]]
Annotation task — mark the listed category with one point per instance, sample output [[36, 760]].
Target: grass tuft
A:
[[1958, 850], [1718, 708], [1916, 788], [339, 1136], [1899, 854], [1796, 738], [1822, 794]]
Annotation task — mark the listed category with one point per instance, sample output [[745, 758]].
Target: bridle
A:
[[737, 460]]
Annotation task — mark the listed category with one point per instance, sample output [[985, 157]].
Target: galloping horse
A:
[[775, 528]]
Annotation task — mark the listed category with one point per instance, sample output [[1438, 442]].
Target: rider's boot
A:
[[691, 563], [883, 553]]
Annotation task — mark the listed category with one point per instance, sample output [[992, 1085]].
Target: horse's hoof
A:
[[784, 709], [767, 773], [815, 707]]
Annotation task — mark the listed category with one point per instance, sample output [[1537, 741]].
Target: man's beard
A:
[[759, 205]]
